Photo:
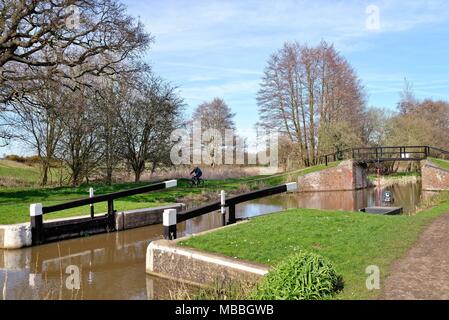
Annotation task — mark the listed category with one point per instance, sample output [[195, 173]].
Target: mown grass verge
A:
[[14, 202], [444, 164], [350, 240]]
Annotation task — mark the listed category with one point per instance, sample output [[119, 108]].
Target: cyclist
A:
[[197, 173]]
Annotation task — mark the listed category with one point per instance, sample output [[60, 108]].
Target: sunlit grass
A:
[[441, 163], [351, 240]]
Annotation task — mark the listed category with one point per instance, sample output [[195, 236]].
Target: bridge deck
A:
[[388, 153]]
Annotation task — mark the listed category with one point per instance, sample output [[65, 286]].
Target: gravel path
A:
[[424, 271]]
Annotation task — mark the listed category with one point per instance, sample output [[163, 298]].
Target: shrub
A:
[[16, 158], [302, 276], [20, 159]]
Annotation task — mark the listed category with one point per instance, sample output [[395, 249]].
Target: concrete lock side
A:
[[165, 259], [143, 217], [15, 236]]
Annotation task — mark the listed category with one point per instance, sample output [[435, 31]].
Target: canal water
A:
[[112, 266]]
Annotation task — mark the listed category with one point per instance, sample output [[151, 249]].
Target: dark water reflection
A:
[[406, 195], [112, 266]]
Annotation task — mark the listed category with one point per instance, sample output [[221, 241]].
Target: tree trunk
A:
[[109, 176], [76, 178], [153, 168], [45, 168], [137, 175]]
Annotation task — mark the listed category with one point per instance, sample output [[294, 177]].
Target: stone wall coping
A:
[[208, 257], [172, 247]]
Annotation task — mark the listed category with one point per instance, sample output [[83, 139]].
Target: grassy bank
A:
[[351, 240], [444, 164], [14, 202], [14, 173]]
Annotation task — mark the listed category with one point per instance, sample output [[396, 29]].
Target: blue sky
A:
[[219, 48]]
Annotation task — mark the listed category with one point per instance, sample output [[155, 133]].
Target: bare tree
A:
[[375, 126], [70, 37], [150, 114], [6, 133], [109, 101], [215, 115], [80, 148], [37, 121], [304, 91], [408, 101]]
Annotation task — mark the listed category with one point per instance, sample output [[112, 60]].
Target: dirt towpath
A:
[[423, 273]]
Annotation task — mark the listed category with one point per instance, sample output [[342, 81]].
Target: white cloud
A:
[[219, 47], [221, 70], [209, 25], [207, 92]]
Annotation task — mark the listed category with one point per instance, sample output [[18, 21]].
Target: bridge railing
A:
[[171, 217], [336, 156], [389, 153], [401, 153], [438, 153]]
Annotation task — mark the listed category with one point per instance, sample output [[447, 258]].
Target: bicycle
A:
[[194, 182]]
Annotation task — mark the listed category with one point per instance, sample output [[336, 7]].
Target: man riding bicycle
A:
[[197, 173]]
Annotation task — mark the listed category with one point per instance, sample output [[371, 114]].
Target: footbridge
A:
[[383, 154], [351, 174]]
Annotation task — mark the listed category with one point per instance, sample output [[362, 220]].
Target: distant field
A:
[[19, 174], [10, 170]]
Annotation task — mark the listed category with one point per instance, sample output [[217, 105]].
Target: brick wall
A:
[[346, 176], [433, 177]]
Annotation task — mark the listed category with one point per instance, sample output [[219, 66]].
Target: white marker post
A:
[[91, 195], [37, 223], [169, 223], [171, 183], [292, 186], [223, 207]]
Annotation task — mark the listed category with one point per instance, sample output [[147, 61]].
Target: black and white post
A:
[[169, 223], [171, 183], [37, 223], [91, 195], [223, 207], [292, 186]]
